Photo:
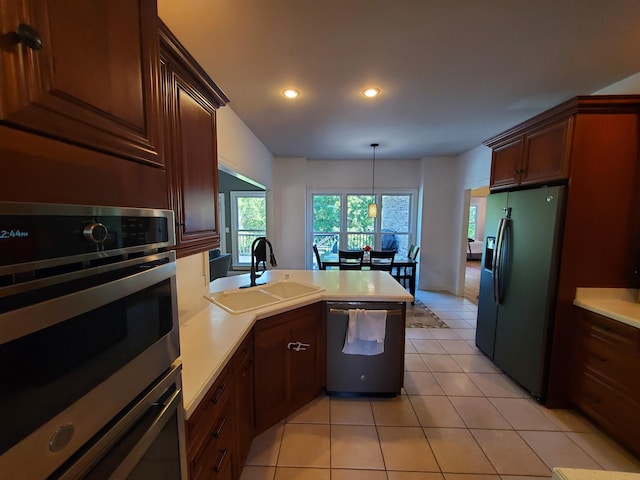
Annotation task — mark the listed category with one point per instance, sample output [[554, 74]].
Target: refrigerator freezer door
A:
[[530, 274], [487, 308]]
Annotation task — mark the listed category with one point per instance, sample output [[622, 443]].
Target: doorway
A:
[[475, 242]]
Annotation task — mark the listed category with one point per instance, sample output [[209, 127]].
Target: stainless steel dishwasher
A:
[[361, 374]]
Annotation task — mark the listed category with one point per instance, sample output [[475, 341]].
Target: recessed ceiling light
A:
[[371, 92], [290, 92]]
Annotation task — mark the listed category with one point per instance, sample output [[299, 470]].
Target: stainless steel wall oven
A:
[[89, 380]]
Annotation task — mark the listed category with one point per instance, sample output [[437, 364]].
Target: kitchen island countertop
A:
[[209, 338], [620, 304]]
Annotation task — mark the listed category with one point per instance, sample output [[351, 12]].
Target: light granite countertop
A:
[[209, 338], [620, 304]]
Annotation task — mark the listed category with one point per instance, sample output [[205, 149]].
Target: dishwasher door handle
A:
[[297, 346]]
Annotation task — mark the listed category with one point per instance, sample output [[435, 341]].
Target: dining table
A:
[[401, 263]]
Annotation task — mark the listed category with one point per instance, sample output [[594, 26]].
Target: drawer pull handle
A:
[[297, 346], [223, 455], [221, 424], [216, 397]]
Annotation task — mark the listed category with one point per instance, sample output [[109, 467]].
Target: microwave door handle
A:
[[495, 264], [24, 321]]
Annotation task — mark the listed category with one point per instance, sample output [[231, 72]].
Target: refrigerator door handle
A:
[[494, 262], [498, 260]]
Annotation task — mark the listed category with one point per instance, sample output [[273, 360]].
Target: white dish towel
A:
[[365, 332]]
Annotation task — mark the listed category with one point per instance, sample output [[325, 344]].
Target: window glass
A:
[[248, 210], [326, 224], [341, 222], [473, 215]]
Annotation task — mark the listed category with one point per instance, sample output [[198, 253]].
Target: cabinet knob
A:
[[28, 36]]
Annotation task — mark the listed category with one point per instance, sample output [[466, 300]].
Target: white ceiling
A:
[[453, 73]]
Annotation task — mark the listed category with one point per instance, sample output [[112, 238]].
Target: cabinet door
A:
[[190, 134], [289, 352], [94, 82], [505, 164], [195, 170], [270, 373], [307, 365], [546, 154]]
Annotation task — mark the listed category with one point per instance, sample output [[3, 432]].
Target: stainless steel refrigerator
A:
[[518, 282]]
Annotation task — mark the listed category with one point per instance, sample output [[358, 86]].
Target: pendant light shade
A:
[[372, 210]]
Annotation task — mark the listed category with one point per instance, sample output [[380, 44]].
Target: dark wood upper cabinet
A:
[[94, 82], [505, 163], [190, 102], [532, 157]]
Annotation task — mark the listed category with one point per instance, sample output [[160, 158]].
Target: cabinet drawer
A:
[[215, 456], [614, 411], [609, 330], [612, 363], [207, 416], [243, 354]]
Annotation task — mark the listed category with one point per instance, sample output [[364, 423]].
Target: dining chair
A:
[[403, 274], [350, 260], [382, 259], [321, 266]]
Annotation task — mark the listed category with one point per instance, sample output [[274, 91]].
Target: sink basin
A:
[[244, 300], [288, 290], [240, 301]]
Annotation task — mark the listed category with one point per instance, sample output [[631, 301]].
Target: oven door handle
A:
[[24, 321], [139, 427]]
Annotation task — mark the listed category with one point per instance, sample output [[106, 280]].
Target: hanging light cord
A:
[[373, 181]]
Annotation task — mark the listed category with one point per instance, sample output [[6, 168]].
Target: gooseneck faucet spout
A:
[[258, 256]]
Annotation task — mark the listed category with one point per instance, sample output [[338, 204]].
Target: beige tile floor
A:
[[459, 418]]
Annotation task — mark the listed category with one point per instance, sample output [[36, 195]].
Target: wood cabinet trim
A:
[[177, 56], [587, 104]]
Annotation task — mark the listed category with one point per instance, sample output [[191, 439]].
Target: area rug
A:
[[421, 316]]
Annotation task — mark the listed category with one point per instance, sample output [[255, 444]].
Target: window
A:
[[473, 218], [249, 221], [340, 222]]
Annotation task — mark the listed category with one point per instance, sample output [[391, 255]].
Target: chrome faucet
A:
[[259, 255]]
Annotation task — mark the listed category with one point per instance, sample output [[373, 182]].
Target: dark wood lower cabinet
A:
[[220, 431], [278, 367], [290, 366], [211, 433], [242, 364], [605, 380]]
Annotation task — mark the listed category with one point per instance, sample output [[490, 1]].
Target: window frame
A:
[[342, 232], [475, 221], [234, 196]]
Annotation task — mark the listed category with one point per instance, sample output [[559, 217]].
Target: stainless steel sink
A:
[[244, 300]]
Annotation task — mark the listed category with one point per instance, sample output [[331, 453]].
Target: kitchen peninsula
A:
[[217, 353]]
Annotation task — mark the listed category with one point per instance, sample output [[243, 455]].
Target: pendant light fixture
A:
[[372, 211]]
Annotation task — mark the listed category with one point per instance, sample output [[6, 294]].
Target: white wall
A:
[[240, 151], [481, 203], [440, 179], [626, 86]]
